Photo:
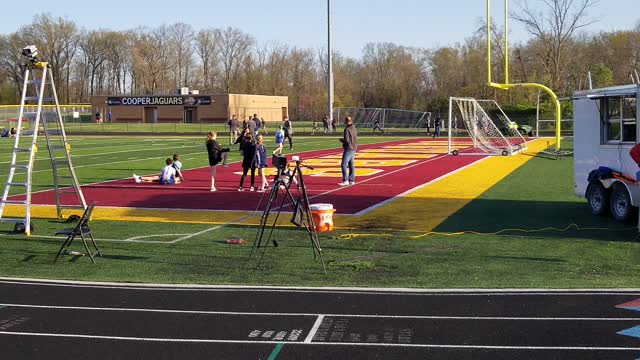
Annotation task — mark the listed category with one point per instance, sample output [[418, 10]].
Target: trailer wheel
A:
[[505, 153], [620, 203], [598, 198], [455, 153]]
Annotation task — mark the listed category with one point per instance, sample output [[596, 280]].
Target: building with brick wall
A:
[[188, 108]]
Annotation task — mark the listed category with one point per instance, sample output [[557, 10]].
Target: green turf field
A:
[[529, 231]]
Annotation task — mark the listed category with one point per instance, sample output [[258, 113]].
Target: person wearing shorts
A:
[[167, 175], [215, 154], [279, 141]]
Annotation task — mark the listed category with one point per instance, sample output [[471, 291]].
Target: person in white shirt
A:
[[167, 176], [177, 164]]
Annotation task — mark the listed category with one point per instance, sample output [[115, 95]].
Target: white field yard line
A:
[[100, 154], [135, 239], [487, 292], [187, 237]]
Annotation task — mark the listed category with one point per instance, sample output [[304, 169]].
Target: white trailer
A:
[[605, 129]]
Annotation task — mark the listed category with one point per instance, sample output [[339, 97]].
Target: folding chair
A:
[[82, 229]]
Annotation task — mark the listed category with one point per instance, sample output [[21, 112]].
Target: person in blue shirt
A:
[[5, 133], [177, 164], [167, 176], [279, 141]]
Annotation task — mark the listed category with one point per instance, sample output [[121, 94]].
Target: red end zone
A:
[[383, 171]]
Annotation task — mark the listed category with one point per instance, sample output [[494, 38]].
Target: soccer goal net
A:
[[480, 127], [385, 118]]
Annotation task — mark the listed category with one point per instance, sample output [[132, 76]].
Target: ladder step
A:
[[44, 114], [60, 162], [22, 149], [73, 191], [16, 184], [57, 147], [35, 98], [12, 220], [26, 132], [15, 166], [16, 202], [34, 82], [71, 207], [54, 132]]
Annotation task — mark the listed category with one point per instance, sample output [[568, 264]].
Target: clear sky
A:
[[302, 23]]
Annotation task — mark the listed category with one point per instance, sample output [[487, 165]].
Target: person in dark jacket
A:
[[288, 130], [216, 154], [248, 149], [349, 142]]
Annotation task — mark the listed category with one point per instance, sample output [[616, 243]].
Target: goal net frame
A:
[[490, 135]]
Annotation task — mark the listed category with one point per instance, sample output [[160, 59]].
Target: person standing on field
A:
[[288, 130], [349, 142], [233, 129], [436, 127], [216, 154]]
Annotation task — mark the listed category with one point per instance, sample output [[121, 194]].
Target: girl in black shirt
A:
[[216, 154]]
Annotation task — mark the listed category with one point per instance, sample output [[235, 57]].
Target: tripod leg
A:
[[310, 226], [263, 222]]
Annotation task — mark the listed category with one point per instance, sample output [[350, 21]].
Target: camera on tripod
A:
[[279, 162]]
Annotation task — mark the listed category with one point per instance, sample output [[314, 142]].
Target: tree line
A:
[[228, 60]]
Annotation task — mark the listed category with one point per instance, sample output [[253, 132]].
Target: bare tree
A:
[[207, 46], [11, 60], [234, 46], [182, 36], [555, 25]]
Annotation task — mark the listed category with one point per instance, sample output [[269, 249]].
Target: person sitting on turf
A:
[[177, 164], [167, 176]]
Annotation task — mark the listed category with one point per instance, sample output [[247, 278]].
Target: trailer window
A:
[[619, 119]]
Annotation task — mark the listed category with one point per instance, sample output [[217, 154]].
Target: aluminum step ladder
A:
[[38, 81]]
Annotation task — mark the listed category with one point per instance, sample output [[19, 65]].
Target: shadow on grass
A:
[[546, 219]]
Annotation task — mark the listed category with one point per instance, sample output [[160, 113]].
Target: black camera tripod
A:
[[301, 211]]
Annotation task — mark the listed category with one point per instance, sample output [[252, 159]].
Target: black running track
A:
[[52, 320]]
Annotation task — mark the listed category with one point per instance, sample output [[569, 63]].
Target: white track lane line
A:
[[215, 341], [314, 329], [320, 317]]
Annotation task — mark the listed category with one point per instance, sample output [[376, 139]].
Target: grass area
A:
[[594, 252]]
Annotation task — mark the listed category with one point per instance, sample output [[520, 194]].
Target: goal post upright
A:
[[509, 86], [449, 147]]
